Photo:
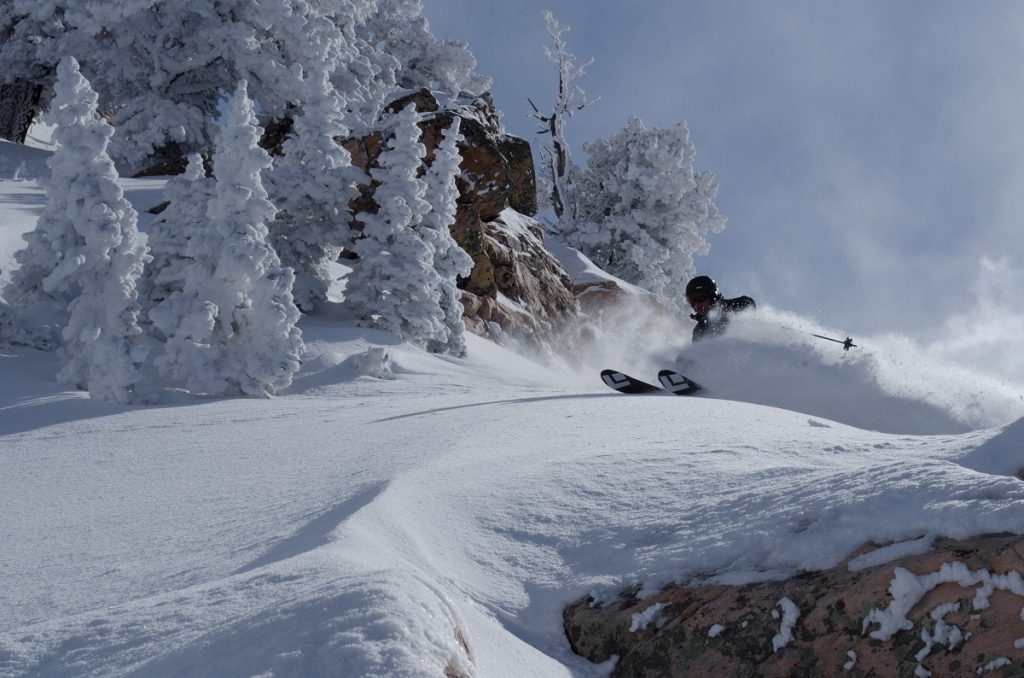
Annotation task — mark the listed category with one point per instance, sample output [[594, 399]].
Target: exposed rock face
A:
[[515, 282], [954, 611], [497, 169], [516, 287]]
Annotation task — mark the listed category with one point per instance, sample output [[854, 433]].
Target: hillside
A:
[[439, 521]]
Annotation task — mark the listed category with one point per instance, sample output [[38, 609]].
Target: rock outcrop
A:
[[516, 289], [957, 610], [515, 282]]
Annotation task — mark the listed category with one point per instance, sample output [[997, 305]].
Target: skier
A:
[[710, 309]]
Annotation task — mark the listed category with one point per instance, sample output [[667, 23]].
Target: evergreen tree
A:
[[160, 67], [450, 260], [312, 186], [231, 328], [31, 35], [13, 330], [85, 249], [172, 233], [400, 31], [394, 285], [643, 212]]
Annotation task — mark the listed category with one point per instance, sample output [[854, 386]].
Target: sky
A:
[[869, 155]]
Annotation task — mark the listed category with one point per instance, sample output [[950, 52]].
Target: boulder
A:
[[497, 168], [957, 610]]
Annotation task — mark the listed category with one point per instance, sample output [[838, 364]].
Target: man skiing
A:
[[710, 309]]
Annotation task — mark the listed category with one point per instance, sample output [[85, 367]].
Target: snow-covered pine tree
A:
[[450, 260], [85, 249], [399, 29], [14, 331], [30, 36], [160, 67], [642, 210], [312, 185], [232, 326], [394, 285], [170, 235]]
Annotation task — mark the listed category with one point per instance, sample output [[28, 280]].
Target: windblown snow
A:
[[441, 519]]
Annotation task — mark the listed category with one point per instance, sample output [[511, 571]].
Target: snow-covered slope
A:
[[361, 526]]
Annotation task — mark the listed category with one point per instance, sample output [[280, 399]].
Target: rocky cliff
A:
[[957, 610]]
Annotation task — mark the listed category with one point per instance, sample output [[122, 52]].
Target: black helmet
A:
[[702, 283]]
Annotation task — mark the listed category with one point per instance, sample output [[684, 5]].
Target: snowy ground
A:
[[359, 526]]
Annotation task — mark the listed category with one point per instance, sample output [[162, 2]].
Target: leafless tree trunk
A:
[[570, 99], [19, 104]]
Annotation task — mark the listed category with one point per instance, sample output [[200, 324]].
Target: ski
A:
[[670, 380], [623, 383], [673, 382]]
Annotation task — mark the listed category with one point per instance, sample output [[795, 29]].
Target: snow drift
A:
[[442, 518]]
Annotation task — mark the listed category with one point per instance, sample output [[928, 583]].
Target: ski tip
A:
[[677, 383], [623, 383]]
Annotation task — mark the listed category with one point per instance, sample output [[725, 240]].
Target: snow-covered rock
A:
[[951, 611], [515, 281]]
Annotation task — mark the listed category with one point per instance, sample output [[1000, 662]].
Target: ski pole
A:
[[847, 343]]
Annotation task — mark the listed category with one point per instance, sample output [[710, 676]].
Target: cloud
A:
[[987, 334]]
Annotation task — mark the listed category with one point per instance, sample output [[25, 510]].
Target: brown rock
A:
[[497, 169], [470, 304], [522, 191], [596, 296], [833, 605], [515, 283], [423, 100], [523, 287]]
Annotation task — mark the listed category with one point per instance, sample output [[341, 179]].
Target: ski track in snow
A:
[[444, 518]]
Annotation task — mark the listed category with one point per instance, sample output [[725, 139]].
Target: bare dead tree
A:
[[570, 99]]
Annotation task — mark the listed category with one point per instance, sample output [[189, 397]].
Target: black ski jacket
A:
[[715, 321]]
